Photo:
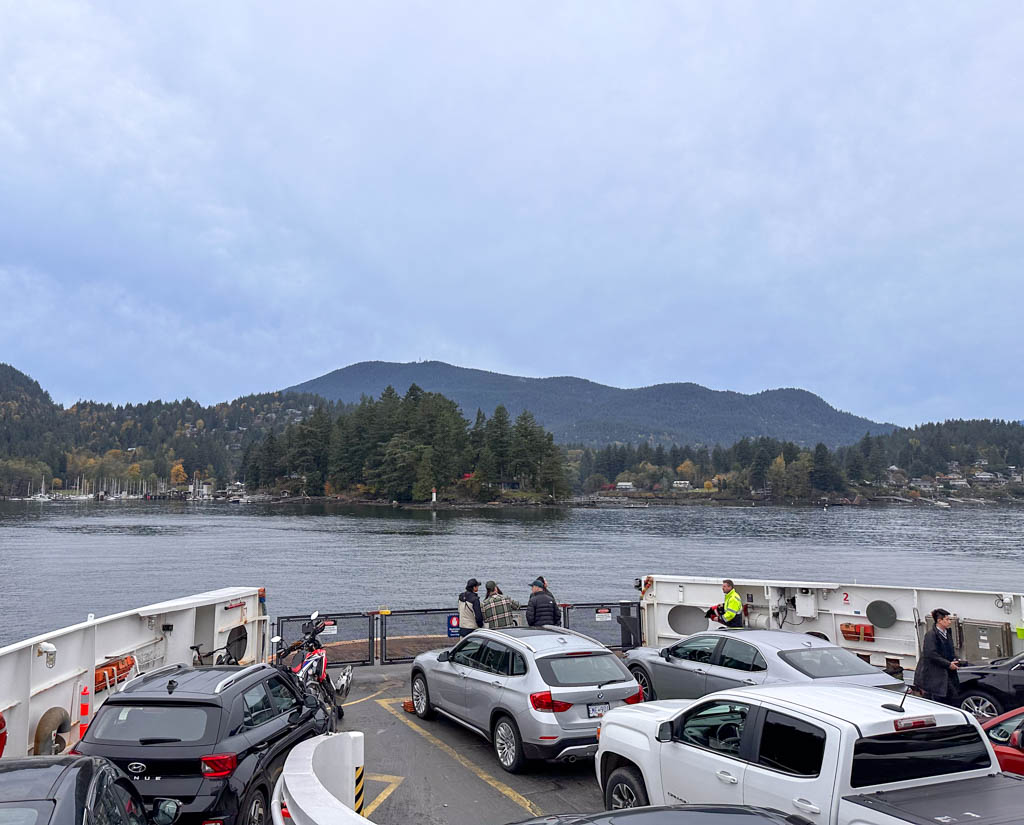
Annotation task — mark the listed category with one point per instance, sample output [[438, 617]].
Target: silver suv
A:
[[533, 692]]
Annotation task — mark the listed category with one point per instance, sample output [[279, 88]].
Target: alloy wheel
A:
[[257, 811], [980, 707], [622, 797], [505, 743], [644, 682], [419, 696]]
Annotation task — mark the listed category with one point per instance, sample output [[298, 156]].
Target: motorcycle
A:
[[309, 668]]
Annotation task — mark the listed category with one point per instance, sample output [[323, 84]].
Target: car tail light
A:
[[918, 722], [543, 701], [598, 731], [285, 813], [636, 698], [581, 653], [218, 765], [213, 822]]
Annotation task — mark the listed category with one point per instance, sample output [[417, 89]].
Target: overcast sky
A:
[[211, 199]]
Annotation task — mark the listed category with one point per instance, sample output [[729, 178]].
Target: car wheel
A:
[[254, 812], [982, 705], [421, 697], [644, 681], [625, 789], [508, 744]]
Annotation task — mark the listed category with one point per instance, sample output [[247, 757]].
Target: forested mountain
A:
[[39, 438], [578, 411]]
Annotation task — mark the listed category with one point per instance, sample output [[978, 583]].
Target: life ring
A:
[[48, 740], [3, 734], [111, 673]]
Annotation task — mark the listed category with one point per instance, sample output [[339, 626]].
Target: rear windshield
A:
[[824, 662], [25, 813], [915, 754], [592, 669], [155, 724]]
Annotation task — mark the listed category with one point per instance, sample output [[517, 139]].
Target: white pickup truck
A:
[[840, 755]]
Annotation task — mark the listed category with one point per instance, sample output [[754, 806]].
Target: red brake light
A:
[[910, 724], [636, 697], [581, 653], [543, 701], [218, 765]]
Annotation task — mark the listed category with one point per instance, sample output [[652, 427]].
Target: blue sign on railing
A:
[[453, 625]]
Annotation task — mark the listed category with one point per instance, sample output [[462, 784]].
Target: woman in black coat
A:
[[936, 672]]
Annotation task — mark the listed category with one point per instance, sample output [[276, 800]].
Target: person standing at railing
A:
[[542, 608], [471, 617], [499, 609]]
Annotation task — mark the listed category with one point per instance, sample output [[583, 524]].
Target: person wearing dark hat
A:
[[936, 674], [542, 608], [471, 616], [499, 609]]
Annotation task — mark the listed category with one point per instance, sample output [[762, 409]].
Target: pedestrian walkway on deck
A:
[[437, 773]]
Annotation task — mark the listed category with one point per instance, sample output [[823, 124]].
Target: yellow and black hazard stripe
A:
[[358, 806]]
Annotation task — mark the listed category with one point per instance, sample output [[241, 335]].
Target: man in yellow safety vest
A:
[[730, 612]]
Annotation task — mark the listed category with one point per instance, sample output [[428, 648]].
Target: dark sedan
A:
[[993, 688], [676, 815], [70, 790]]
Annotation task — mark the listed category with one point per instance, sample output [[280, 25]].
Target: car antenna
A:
[[897, 708], [171, 685]]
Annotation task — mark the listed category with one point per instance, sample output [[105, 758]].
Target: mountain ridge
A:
[[578, 410]]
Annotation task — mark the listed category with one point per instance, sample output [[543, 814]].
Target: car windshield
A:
[[589, 669], [147, 724], [25, 813], [825, 662]]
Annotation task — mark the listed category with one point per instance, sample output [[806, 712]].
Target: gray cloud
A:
[[216, 200]]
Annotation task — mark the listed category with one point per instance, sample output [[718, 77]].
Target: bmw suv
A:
[[214, 738], [533, 692]]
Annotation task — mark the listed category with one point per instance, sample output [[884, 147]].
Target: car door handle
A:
[[749, 682], [699, 670], [496, 683], [806, 806], [727, 777]]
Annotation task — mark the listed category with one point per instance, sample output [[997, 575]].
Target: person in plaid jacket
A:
[[499, 609]]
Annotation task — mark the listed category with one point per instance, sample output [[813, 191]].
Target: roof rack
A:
[[148, 673], [571, 632], [234, 677], [523, 642]]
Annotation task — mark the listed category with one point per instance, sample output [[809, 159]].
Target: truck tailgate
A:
[[997, 799]]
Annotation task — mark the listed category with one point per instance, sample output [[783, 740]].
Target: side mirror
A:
[[665, 654], [310, 701], [444, 656], [664, 732], [166, 811]]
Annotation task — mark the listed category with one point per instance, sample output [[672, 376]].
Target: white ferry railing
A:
[[318, 785]]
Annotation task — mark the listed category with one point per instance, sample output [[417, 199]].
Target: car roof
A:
[[856, 704], [547, 639], [191, 683], [777, 639], [38, 777], [670, 815]]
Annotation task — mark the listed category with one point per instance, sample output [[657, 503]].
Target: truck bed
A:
[[997, 799]]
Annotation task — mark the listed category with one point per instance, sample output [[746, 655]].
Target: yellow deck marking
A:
[[357, 701], [498, 785], [393, 783]]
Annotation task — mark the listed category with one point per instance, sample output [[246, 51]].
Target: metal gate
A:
[[611, 623], [404, 634], [349, 641]]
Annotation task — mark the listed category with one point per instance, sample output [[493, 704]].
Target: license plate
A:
[[596, 711]]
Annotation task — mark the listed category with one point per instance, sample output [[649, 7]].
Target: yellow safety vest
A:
[[733, 605]]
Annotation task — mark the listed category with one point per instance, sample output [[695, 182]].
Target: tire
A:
[[982, 705], [625, 789], [644, 680], [421, 697], [254, 810], [320, 693], [508, 744]]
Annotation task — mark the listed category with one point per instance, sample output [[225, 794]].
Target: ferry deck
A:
[[438, 772]]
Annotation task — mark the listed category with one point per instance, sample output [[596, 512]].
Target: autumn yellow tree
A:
[[687, 470], [178, 475]]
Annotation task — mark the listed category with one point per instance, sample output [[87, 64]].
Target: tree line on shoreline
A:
[[402, 447]]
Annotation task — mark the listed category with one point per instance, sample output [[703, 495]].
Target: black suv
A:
[[214, 738]]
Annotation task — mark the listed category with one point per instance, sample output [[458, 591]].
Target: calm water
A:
[[59, 562]]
